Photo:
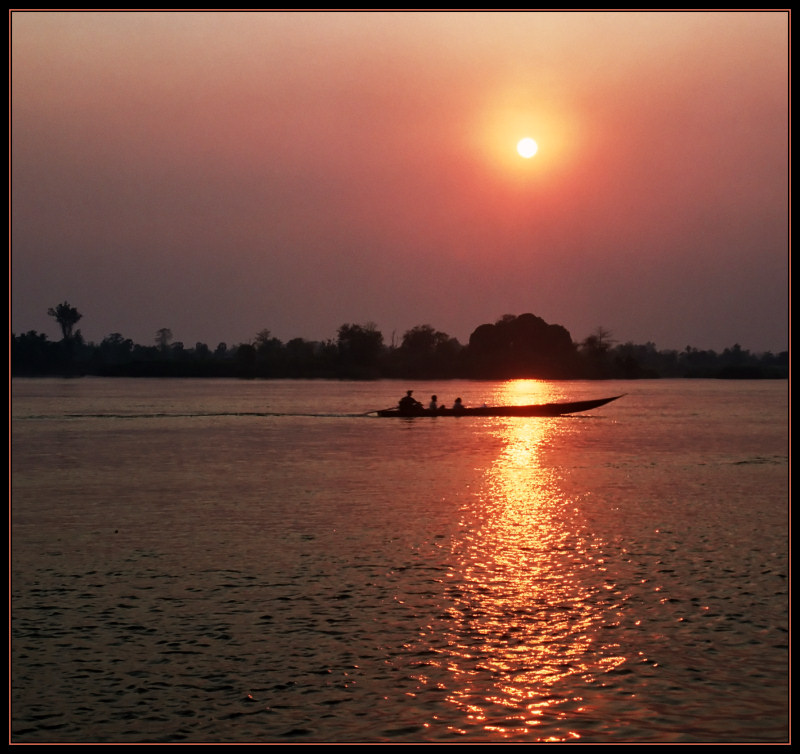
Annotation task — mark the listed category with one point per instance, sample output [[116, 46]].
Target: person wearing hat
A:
[[409, 405]]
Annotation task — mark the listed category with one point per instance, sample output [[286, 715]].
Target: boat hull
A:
[[542, 409]]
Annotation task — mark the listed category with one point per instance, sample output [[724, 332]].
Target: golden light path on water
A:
[[527, 601]]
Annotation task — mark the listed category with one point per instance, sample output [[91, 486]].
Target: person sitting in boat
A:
[[434, 404], [458, 406], [409, 405]]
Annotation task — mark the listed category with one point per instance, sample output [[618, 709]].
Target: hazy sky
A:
[[222, 173]]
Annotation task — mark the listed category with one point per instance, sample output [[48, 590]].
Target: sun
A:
[[527, 147]]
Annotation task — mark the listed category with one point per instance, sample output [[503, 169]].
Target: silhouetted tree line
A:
[[523, 346]]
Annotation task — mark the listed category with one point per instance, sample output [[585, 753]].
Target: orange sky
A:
[[221, 173]]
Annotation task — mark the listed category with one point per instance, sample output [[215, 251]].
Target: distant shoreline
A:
[[514, 347]]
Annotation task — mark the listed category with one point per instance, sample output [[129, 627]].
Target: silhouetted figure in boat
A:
[[409, 405], [458, 406], [433, 405]]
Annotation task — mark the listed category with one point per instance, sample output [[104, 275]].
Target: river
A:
[[223, 561]]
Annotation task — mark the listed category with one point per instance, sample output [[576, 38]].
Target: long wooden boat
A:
[[541, 409]]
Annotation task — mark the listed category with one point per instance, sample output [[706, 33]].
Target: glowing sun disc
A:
[[527, 148]]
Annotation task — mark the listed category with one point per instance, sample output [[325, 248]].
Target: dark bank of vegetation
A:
[[523, 346]]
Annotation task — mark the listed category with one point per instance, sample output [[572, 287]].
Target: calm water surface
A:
[[228, 561]]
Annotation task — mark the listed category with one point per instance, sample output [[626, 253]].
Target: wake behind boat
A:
[[541, 409]]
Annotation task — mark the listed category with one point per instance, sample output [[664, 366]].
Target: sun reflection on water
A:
[[526, 598]]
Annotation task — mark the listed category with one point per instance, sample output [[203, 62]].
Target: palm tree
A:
[[67, 317]]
